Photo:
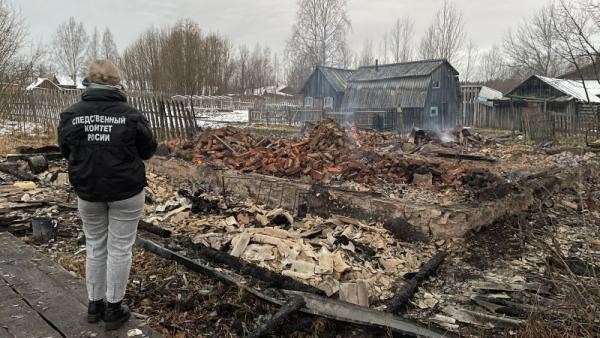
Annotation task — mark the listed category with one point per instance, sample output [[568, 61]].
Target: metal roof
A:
[[337, 77], [487, 93], [39, 82], [409, 92], [398, 70], [574, 88]]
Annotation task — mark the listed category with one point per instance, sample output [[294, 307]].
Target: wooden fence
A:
[[40, 111], [574, 123]]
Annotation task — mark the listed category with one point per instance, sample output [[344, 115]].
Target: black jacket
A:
[[105, 141]]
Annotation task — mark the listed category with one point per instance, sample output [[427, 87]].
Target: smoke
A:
[[445, 136]]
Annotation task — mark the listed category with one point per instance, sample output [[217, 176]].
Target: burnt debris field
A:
[[335, 231]]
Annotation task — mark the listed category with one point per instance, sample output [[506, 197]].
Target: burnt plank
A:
[[18, 319], [52, 291]]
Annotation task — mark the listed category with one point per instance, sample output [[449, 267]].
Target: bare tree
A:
[[141, 61], [383, 49], [109, 47], [70, 43], [445, 36], [493, 67], [366, 56], [318, 36], [242, 67], [471, 62], [531, 48], [401, 39], [179, 60], [11, 41], [93, 49], [348, 57], [578, 33], [18, 67]]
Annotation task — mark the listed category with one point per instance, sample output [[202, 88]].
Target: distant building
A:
[[272, 91], [549, 105], [588, 72], [480, 106], [57, 82], [422, 94], [42, 84], [556, 91], [325, 88], [66, 82]]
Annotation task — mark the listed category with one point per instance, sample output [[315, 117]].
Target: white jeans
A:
[[110, 230]]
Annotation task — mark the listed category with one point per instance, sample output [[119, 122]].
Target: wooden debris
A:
[[481, 319], [153, 229], [406, 292], [278, 318], [226, 145], [240, 243], [469, 157], [273, 278], [355, 293], [314, 304]]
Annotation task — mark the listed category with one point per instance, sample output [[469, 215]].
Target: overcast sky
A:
[[268, 22]]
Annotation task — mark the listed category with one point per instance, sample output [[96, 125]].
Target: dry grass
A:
[[9, 142], [578, 315]]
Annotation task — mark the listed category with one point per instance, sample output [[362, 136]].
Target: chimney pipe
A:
[[376, 65]]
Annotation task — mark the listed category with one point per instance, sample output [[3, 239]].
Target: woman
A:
[[105, 141]]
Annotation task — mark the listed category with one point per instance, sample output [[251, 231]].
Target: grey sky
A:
[[268, 22]]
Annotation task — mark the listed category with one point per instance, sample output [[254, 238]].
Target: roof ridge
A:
[[336, 68], [405, 63]]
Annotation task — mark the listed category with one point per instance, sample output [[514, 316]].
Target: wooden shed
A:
[[325, 88], [552, 106], [422, 94]]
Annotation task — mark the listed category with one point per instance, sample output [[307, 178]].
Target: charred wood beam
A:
[[469, 157], [49, 156], [408, 290], [12, 169], [294, 305], [242, 267], [38, 150], [315, 305], [153, 229], [226, 145]]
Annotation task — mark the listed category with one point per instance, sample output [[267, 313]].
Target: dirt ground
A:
[[530, 274]]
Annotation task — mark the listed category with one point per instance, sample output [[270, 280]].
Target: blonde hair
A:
[[104, 72]]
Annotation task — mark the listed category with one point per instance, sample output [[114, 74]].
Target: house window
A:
[[436, 84], [433, 111], [308, 101], [328, 102]]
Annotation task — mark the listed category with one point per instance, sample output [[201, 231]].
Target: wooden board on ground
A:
[[50, 292], [18, 319]]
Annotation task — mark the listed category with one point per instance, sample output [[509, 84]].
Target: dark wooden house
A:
[[422, 94], [551, 105], [325, 87]]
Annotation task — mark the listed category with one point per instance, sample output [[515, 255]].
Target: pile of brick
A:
[[324, 151]]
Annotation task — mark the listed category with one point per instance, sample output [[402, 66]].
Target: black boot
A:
[[96, 311], [116, 315]]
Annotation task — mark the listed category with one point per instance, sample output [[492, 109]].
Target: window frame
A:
[[326, 104], [436, 84], [432, 109], [309, 99]]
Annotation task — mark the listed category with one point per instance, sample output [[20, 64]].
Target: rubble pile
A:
[[325, 151], [502, 268], [324, 253]]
